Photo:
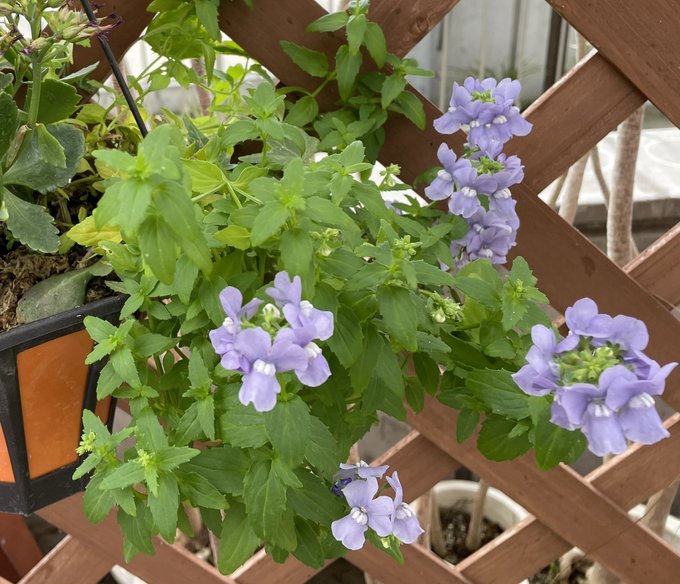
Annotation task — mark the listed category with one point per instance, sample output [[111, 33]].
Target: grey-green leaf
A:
[[31, 224], [58, 293]]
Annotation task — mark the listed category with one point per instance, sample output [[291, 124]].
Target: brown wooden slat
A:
[[406, 22], [420, 565], [640, 38], [658, 267], [170, 565], [626, 480], [135, 20], [560, 498], [572, 117], [420, 465], [70, 561], [18, 544]]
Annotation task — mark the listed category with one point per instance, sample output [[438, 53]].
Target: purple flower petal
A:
[[379, 515], [317, 371], [360, 492], [285, 290], [603, 431], [349, 532], [641, 422], [260, 387], [253, 344]]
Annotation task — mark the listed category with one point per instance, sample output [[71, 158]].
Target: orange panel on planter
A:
[[6, 472], [102, 409], [52, 378]]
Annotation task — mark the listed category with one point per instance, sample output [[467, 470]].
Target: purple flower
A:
[[540, 375], [469, 184], [442, 186], [405, 524], [584, 319], [366, 512], [300, 313], [262, 361], [360, 471], [317, 370], [223, 338], [485, 110]]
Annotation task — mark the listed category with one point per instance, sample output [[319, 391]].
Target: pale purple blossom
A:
[[365, 512], [262, 360], [405, 525], [224, 337], [442, 186]]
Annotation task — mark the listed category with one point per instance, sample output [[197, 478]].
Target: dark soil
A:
[[454, 529], [455, 524], [21, 268]]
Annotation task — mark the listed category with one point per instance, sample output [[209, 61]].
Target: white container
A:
[[498, 507]]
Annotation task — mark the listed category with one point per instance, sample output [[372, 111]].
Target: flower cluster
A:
[[261, 352], [359, 484], [602, 381], [477, 185]]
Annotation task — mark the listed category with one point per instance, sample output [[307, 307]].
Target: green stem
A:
[[36, 87]]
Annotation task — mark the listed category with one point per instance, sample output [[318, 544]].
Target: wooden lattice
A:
[[637, 57]]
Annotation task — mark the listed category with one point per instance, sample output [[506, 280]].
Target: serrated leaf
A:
[[465, 424], [31, 224], [329, 22], [58, 100], [375, 43], [392, 87], [322, 450], [288, 428], [225, 467], [201, 492], [309, 549], [126, 475], [268, 222], [9, 114], [314, 501], [303, 112], [498, 391], [206, 10], [347, 68], [243, 428], [164, 506], [356, 29], [97, 502], [412, 108], [554, 444], [315, 63], [237, 540], [494, 443], [206, 177], [234, 236], [399, 315], [87, 234]]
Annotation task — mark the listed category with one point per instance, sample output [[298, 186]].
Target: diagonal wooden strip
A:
[[658, 267], [419, 565], [70, 561], [626, 480], [135, 19], [640, 38], [420, 465], [406, 22], [572, 117], [567, 504], [170, 565]]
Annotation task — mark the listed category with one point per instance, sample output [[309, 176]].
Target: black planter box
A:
[[32, 487]]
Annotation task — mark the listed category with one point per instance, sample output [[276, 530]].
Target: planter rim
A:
[[44, 329]]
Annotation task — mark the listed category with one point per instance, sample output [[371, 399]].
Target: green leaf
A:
[[329, 22], [31, 224], [223, 466], [297, 253], [172, 457], [356, 29], [309, 549], [312, 62], [554, 444], [412, 108], [399, 315], [58, 100], [56, 294], [427, 371], [432, 275], [150, 344], [322, 450], [53, 152], [268, 222], [237, 540], [9, 114], [498, 391], [126, 475], [206, 177], [201, 492], [206, 416], [97, 502], [466, 424], [206, 10], [98, 328], [124, 364], [265, 499], [178, 212], [303, 112], [375, 43], [347, 341], [392, 87], [494, 441], [244, 428], [314, 501], [347, 68], [385, 390], [136, 531], [481, 282], [30, 168], [164, 506], [235, 236], [288, 428]]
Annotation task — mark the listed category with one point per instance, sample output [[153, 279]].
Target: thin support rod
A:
[[117, 73]]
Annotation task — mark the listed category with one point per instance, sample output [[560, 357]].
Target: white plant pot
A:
[[498, 507]]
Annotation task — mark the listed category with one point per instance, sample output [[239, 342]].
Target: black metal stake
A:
[[117, 73]]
